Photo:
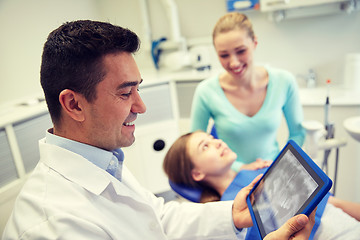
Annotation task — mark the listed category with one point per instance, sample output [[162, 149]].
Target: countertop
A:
[[338, 94], [25, 108], [21, 110]]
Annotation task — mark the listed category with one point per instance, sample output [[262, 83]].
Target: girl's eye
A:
[[205, 147], [224, 55]]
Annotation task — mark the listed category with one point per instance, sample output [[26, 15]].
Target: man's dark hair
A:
[[73, 58]]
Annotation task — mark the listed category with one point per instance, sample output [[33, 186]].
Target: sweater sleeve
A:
[[293, 113], [200, 112]]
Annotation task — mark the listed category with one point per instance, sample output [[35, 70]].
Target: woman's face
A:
[[210, 156], [235, 51]]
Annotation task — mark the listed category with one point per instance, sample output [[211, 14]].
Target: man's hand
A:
[[296, 228], [240, 210]]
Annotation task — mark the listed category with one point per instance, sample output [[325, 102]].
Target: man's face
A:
[[109, 119]]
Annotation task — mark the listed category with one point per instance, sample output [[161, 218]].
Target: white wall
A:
[[297, 45], [25, 26]]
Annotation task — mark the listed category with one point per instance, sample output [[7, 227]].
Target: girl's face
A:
[[210, 156], [235, 51]]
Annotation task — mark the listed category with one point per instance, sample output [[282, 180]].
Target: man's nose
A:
[[138, 105]]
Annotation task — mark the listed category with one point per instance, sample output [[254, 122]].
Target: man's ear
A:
[[197, 175], [71, 103]]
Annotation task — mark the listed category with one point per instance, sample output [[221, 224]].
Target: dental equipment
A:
[[321, 137], [316, 140], [329, 127]]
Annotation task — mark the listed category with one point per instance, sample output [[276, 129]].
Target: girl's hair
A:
[[232, 21], [178, 166]]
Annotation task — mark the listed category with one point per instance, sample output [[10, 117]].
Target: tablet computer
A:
[[293, 184]]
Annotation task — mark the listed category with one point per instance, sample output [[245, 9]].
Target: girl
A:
[[201, 161]]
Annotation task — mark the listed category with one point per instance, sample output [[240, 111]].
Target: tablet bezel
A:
[[323, 181]]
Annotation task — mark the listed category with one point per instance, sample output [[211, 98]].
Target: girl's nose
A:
[[217, 143]]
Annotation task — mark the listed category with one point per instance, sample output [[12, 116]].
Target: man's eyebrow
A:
[[129, 84]]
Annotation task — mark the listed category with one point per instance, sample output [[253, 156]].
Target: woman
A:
[[246, 102], [198, 160]]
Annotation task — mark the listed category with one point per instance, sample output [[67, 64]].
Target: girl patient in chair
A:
[[198, 160]]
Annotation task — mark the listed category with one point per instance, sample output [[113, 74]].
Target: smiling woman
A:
[[246, 101]]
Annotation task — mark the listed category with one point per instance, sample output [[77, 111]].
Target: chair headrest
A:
[[214, 132], [190, 193]]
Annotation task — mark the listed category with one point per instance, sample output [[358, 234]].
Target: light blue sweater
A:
[[250, 137]]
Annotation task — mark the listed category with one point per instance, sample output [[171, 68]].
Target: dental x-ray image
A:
[[284, 192]]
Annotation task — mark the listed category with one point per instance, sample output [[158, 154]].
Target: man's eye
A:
[[126, 95]]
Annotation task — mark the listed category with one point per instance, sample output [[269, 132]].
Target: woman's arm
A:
[[351, 208], [200, 112], [293, 113]]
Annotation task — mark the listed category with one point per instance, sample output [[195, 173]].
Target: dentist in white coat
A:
[[80, 188]]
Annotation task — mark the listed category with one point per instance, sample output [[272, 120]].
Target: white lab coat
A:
[[68, 197]]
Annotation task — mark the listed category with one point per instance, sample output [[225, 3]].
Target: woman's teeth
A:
[[237, 70]]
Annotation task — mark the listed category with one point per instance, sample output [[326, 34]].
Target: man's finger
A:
[[293, 225]]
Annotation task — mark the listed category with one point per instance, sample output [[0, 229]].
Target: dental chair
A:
[[244, 178], [189, 193], [213, 132]]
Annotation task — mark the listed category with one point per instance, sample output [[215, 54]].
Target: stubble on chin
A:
[[126, 142]]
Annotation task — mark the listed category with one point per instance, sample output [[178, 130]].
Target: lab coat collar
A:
[[97, 156], [79, 170]]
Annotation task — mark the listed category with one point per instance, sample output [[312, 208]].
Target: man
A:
[[80, 188]]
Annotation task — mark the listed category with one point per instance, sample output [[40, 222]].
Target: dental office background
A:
[[315, 43]]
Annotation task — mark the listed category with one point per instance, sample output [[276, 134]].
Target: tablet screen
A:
[[284, 191]]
